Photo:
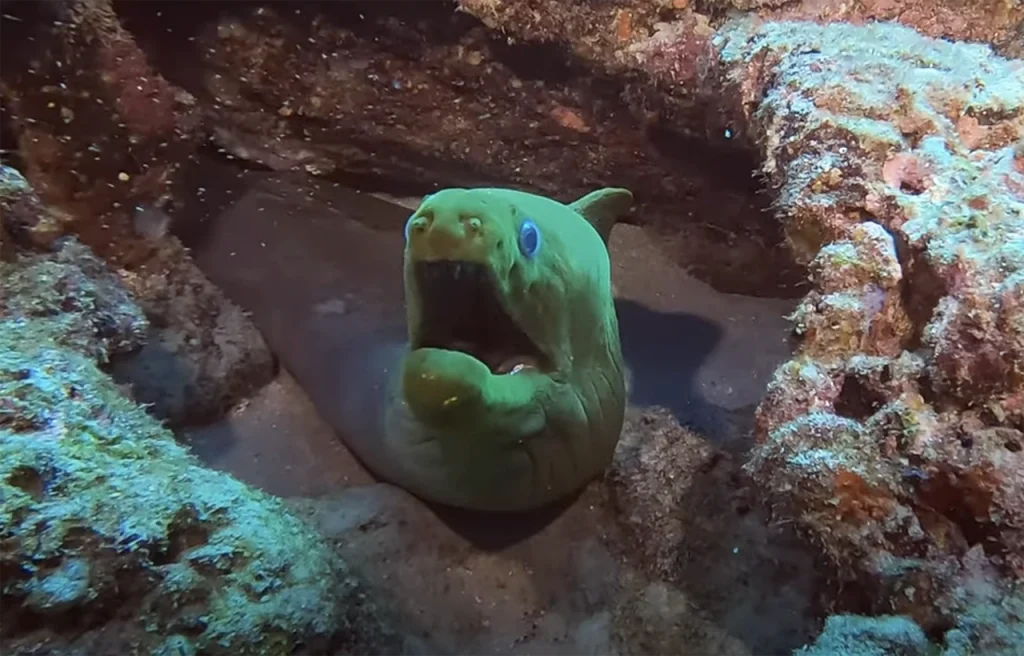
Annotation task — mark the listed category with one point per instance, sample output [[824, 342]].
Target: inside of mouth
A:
[[461, 311]]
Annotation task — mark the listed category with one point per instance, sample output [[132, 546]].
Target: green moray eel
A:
[[512, 387], [484, 373]]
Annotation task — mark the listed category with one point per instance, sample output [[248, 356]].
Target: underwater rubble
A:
[[113, 538]]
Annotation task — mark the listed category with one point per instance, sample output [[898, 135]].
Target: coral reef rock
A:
[[893, 438], [113, 539], [547, 95], [683, 513], [88, 308], [102, 138], [23, 213], [998, 22], [202, 354], [869, 636], [99, 131]]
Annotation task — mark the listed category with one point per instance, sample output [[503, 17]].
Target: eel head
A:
[[508, 296]]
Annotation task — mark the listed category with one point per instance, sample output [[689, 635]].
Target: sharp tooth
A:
[[515, 365]]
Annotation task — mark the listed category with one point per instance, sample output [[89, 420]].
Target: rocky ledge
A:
[[894, 436], [113, 537]]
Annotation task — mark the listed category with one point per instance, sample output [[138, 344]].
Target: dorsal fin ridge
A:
[[602, 208]]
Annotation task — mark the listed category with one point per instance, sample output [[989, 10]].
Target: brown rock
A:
[[202, 354], [98, 129], [23, 215]]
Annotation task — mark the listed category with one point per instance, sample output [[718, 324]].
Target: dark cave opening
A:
[[921, 289], [857, 400], [9, 141]]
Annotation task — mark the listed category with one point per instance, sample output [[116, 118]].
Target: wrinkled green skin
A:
[[462, 436]]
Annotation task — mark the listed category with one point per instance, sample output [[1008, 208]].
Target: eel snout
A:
[[432, 235]]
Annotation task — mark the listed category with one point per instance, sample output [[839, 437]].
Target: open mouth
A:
[[460, 311]]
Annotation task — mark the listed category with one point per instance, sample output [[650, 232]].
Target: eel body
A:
[[485, 373]]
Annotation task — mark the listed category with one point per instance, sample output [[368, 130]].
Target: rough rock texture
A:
[[660, 619], [202, 355], [113, 539], [562, 582], [557, 97], [990, 611], [83, 301], [869, 636], [597, 30], [100, 132], [406, 90], [999, 22], [553, 96], [418, 93], [685, 514], [23, 213], [894, 437], [79, 297], [102, 137], [653, 454]]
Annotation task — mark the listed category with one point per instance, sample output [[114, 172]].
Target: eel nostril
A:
[[416, 225], [474, 224]]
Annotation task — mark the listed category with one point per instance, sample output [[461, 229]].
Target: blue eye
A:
[[529, 238]]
